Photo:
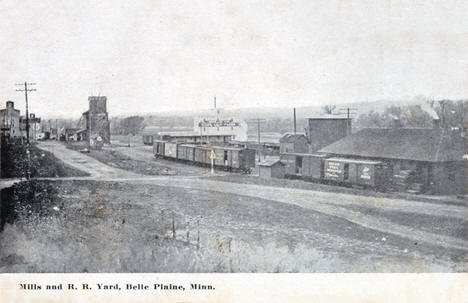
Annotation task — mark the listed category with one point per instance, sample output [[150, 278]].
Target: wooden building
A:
[[294, 143], [422, 160], [325, 130], [271, 168]]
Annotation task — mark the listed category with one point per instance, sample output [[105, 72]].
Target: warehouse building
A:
[[325, 130], [410, 159], [96, 121]]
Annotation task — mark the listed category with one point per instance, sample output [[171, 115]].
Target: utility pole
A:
[[294, 121], [259, 121], [26, 90], [349, 111]]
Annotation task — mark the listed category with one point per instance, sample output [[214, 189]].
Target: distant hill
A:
[[283, 112]]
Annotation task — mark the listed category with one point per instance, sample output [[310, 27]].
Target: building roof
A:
[[151, 130], [270, 162], [359, 161], [329, 117], [291, 138], [418, 144], [71, 129], [306, 154], [190, 134]]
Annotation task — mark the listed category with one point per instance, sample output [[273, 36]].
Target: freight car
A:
[[345, 171], [148, 139], [228, 157]]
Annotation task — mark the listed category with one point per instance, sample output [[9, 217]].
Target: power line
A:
[[26, 90], [349, 112]]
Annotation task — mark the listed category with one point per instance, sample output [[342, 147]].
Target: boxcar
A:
[[190, 153], [202, 155], [170, 150], [182, 152], [303, 165], [356, 171], [148, 139], [237, 158]]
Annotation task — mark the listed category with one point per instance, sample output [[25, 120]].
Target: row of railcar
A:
[[227, 157], [322, 167]]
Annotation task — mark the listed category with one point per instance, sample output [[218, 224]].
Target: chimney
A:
[[396, 123], [436, 123]]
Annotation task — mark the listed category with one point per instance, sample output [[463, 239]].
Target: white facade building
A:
[[216, 123]]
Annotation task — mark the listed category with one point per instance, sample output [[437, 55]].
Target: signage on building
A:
[[364, 172], [334, 170]]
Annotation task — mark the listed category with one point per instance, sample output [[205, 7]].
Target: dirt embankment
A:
[[21, 160]]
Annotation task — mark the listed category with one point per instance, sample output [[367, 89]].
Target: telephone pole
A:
[[258, 121], [26, 90], [349, 111]]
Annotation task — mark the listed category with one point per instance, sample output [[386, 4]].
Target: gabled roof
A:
[[432, 145], [291, 138]]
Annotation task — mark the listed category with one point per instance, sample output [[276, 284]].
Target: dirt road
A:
[[81, 161]]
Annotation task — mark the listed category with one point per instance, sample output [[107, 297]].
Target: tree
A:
[[371, 119], [131, 125], [328, 109]]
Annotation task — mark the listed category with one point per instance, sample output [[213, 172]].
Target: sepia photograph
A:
[[283, 136]]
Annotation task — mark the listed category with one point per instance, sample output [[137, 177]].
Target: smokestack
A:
[[294, 110], [436, 123]]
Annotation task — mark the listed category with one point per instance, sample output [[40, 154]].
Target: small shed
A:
[[271, 168]]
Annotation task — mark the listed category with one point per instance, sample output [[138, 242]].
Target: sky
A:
[[153, 56]]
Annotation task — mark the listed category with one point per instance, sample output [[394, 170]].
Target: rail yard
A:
[[200, 200]]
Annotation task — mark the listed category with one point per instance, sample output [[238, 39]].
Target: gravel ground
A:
[[121, 227]]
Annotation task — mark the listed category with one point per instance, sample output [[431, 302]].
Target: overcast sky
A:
[[150, 56]]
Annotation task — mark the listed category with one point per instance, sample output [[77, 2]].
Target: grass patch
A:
[[17, 163]]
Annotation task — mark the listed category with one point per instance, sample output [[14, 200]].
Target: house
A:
[[429, 160], [271, 168], [71, 134], [294, 143], [10, 121], [34, 126]]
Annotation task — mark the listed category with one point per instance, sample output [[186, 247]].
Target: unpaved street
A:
[[434, 226], [81, 161]]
